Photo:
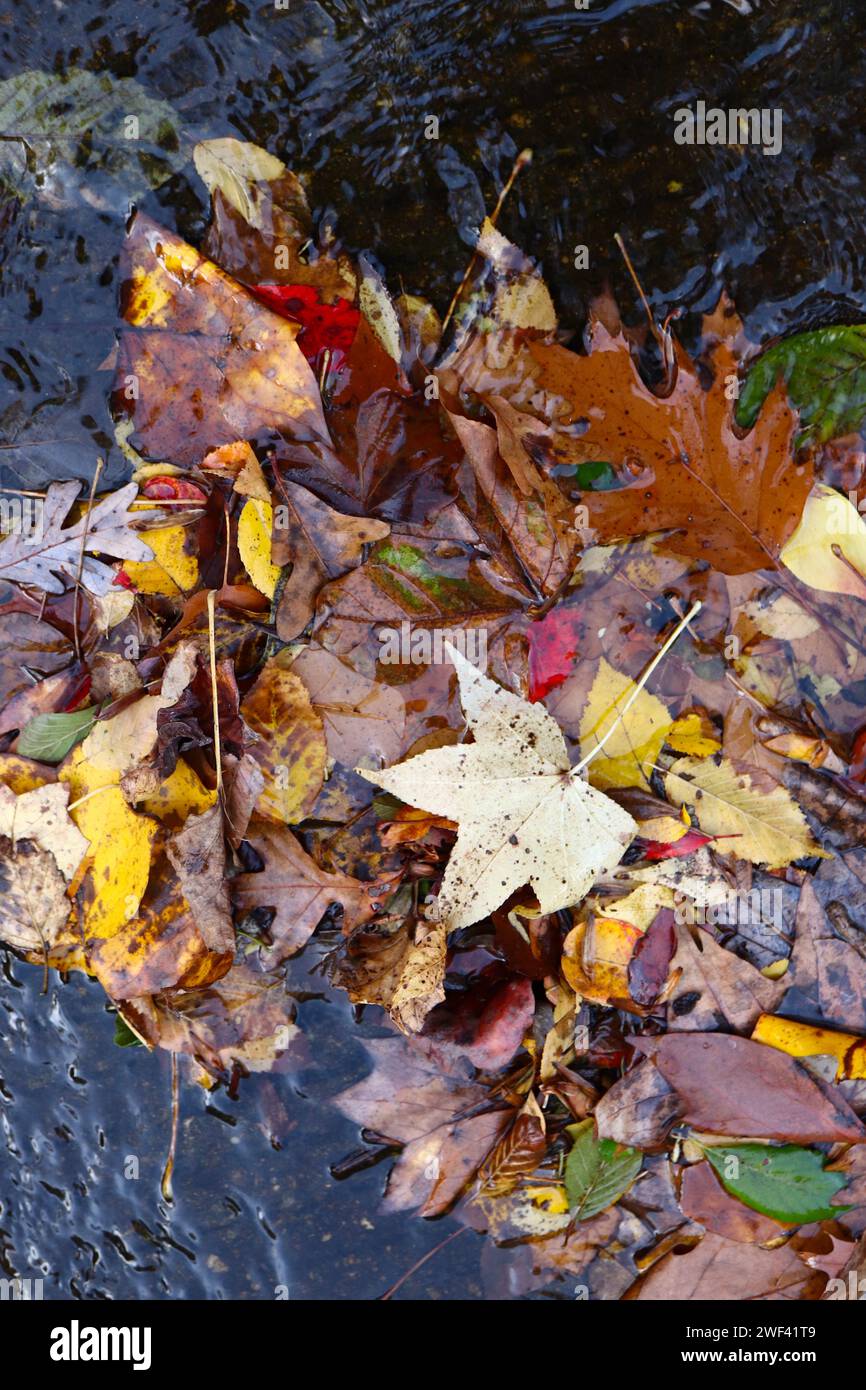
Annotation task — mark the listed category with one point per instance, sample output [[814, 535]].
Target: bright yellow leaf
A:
[[173, 569], [254, 543], [628, 756], [804, 1040]]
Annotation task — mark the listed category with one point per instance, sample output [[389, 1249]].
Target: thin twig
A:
[[654, 328], [168, 1171], [100, 463], [389, 1293], [211, 600], [662, 652]]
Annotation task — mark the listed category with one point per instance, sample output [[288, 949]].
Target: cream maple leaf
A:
[[524, 814]]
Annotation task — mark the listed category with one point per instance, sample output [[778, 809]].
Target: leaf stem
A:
[[660, 654]]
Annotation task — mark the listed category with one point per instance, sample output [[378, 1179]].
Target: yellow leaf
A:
[[291, 750], [829, 524], [595, 957], [173, 569], [757, 818], [113, 875], [23, 774], [553, 1199], [254, 543], [804, 1040], [641, 906], [181, 795], [693, 734], [636, 742]]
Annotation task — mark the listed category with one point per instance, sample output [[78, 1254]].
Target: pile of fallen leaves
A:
[[615, 917]]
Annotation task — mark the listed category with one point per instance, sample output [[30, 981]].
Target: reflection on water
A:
[[340, 90]]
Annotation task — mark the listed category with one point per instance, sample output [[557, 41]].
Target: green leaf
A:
[[62, 131], [123, 1034], [49, 737], [788, 1183], [597, 1171], [825, 372]]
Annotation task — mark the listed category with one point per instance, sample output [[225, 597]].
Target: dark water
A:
[[341, 92]]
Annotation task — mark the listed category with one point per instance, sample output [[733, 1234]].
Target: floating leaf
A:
[[825, 372]]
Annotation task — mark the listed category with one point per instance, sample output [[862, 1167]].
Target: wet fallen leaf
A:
[[724, 1270], [728, 1085], [715, 988], [49, 551], [320, 544], [524, 818], [189, 321], [598, 1172], [742, 803], [299, 891], [290, 749]]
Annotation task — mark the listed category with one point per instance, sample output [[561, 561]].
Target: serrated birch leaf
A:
[[757, 818], [523, 815]]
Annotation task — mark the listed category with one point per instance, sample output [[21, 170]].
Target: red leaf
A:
[[553, 644], [659, 849], [166, 487], [651, 959], [331, 326]]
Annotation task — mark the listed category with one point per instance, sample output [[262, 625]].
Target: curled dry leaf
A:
[[397, 964], [198, 855]]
